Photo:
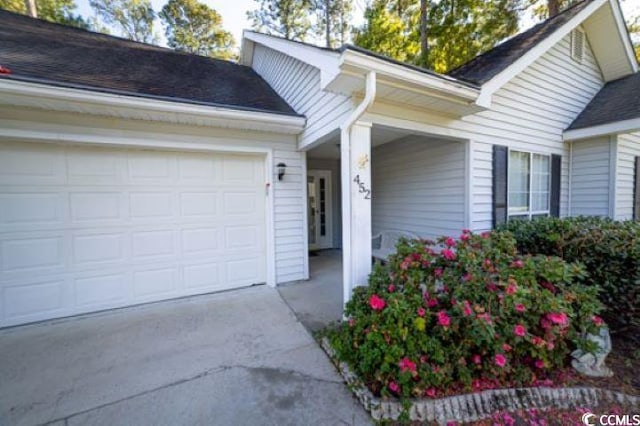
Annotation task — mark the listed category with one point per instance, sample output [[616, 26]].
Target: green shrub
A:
[[472, 316], [609, 250]]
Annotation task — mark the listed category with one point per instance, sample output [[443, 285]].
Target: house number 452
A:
[[362, 188]]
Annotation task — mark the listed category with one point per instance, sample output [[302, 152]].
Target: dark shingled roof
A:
[[39, 51], [617, 101], [486, 66]]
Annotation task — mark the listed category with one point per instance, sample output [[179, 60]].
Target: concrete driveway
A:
[[236, 358]]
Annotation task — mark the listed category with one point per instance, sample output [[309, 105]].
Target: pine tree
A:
[[285, 18]]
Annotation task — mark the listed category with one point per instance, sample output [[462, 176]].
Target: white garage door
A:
[[84, 229]]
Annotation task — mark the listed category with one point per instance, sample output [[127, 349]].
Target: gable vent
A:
[[577, 44]]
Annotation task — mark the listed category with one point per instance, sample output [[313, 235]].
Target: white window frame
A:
[[529, 214]]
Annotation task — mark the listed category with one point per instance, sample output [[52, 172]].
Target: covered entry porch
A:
[[394, 179]]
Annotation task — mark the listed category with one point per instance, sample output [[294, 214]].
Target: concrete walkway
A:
[[236, 358], [318, 302]]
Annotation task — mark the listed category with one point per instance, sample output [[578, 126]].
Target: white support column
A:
[[356, 206]]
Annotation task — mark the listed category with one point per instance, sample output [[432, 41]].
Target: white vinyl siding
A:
[[418, 185], [299, 84], [289, 206], [628, 149], [530, 113], [590, 177]]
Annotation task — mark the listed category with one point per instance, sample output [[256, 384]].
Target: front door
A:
[[319, 209]]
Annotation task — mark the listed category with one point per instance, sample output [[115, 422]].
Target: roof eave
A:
[[614, 128], [56, 98], [354, 65]]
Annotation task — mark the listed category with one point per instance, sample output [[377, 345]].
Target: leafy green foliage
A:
[[332, 21], [472, 316], [609, 250], [58, 11], [194, 27], [285, 18], [457, 30], [133, 18]]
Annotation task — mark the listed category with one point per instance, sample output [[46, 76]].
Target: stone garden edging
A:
[[476, 406]]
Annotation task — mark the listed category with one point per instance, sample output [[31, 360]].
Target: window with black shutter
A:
[[525, 184]]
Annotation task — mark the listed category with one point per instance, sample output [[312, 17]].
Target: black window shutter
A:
[[556, 173], [636, 191], [500, 188]]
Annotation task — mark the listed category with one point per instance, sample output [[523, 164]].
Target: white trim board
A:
[[106, 104], [624, 126]]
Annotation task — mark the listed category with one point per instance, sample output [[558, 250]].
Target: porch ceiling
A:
[[379, 136]]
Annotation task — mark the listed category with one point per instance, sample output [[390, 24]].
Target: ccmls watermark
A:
[[591, 419]]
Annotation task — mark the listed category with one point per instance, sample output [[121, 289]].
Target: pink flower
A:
[[486, 234], [597, 320], [377, 303], [537, 341], [511, 288], [517, 263], [450, 242], [466, 308], [485, 317], [467, 277], [437, 272], [506, 347], [487, 262], [519, 330], [500, 360], [443, 319], [520, 307], [477, 359], [407, 365], [432, 303], [539, 363], [393, 387], [431, 393], [352, 322], [405, 265], [559, 318], [448, 254], [423, 359], [421, 312], [391, 288]]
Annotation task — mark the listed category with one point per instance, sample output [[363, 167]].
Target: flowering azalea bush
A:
[[609, 250], [471, 315]]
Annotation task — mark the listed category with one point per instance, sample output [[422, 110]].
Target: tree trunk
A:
[[554, 7], [327, 17], [424, 36], [32, 10]]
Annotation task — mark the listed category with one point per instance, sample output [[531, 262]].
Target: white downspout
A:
[[345, 172]]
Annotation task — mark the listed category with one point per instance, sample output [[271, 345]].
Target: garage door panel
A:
[[94, 292], [153, 244], [93, 248], [139, 226], [150, 168], [25, 164], [96, 206], [37, 300], [91, 166], [24, 210], [199, 204], [28, 254], [154, 283]]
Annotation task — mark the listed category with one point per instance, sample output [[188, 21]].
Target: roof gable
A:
[[484, 67], [39, 51]]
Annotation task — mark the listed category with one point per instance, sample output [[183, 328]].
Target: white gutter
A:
[[617, 127], [345, 168], [29, 94]]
